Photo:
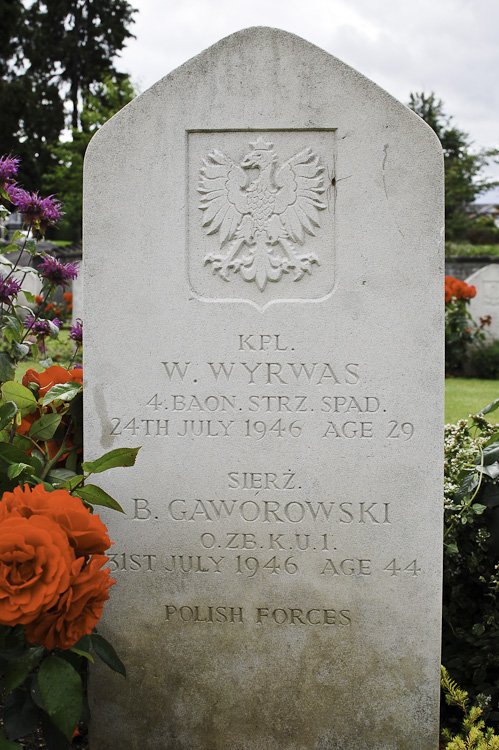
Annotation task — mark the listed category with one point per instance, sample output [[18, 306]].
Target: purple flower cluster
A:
[[40, 327], [9, 288], [41, 213], [76, 331], [56, 272], [8, 170]]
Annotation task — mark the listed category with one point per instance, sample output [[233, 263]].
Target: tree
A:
[[463, 166], [32, 111], [66, 175], [76, 40], [55, 51]]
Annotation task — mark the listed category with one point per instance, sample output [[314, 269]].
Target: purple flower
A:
[[76, 331], [40, 327], [41, 213], [8, 169], [9, 288], [56, 272]]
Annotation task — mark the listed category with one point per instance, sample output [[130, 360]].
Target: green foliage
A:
[[461, 333], [53, 52], [485, 361], [466, 249], [474, 735], [470, 635], [483, 231], [463, 166], [41, 426], [44, 688], [65, 176]]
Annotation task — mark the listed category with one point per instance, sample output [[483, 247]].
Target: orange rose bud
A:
[[53, 375], [85, 532], [35, 566], [78, 610]]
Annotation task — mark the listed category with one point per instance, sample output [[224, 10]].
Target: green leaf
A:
[[8, 411], [10, 249], [7, 368], [18, 235], [468, 484], [490, 407], [17, 670], [490, 454], [20, 350], [31, 247], [7, 745], [30, 297], [491, 471], [53, 329], [20, 714], [96, 496], [20, 395], [16, 470], [54, 738], [70, 484], [111, 460], [61, 692], [45, 427], [11, 454], [80, 652], [62, 391], [107, 654], [58, 476]]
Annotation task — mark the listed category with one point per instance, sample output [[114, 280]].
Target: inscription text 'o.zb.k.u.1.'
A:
[[262, 212]]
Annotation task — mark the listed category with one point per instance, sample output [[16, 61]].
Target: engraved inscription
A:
[[262, 212], [210, 614]]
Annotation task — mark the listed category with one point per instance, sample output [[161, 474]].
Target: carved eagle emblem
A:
[[262, 212]]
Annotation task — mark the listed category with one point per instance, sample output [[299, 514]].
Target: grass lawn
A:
[[465, 396]]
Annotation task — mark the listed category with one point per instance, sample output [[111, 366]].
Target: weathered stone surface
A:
[[278, 353], [486, 302]]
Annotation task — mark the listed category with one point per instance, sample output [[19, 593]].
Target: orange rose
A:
[[53, 375], [77, 610], [68, 297], [35, 566], [85, 532]]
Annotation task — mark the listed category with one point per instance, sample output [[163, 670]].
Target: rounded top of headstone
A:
[[245, 64]]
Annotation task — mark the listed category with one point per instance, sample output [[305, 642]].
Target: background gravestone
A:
[[278, 353], [486, 301]]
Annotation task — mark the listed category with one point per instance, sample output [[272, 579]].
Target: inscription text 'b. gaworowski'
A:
[[262, 212]]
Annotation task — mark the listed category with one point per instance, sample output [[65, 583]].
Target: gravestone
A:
[[278, 354], [486, 301]]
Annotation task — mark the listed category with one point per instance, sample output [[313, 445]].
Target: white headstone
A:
[[486, 301], [278, 354]]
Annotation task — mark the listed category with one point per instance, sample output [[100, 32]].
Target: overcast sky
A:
[[450, 47]]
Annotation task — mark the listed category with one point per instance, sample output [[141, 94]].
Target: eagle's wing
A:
[[300, 183], [223, 199]]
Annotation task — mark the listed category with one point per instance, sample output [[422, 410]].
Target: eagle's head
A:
[[261, 155]]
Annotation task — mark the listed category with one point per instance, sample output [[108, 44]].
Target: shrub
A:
[[461, 332], [470, 637], [484, 361], [483, 231]]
